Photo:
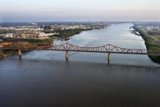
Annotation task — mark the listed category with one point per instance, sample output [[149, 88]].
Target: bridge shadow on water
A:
[[80, 64]]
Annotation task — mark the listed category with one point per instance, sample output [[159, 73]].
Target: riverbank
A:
[[31, 44], [150, 42], [26, 44], [67, 33]]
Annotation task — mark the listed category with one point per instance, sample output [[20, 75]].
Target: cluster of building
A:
[[27, 35], [24, 32], [34, 31], [20, 28], [66, 27], [150, 27]]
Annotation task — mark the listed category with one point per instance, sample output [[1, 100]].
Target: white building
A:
[[9, 35]]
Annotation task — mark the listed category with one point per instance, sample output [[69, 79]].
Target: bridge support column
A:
[[109, 58], [67, 56], [20, 54]]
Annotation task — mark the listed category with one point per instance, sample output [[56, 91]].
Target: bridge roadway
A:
[[109, 48]]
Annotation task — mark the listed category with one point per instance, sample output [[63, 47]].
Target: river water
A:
[[118, 35], [44, 79]]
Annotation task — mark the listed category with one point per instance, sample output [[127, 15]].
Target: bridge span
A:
[[66, 47]]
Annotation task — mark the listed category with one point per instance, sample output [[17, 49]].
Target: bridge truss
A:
[[109, 48]]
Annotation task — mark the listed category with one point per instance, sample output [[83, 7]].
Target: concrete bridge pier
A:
[[109, 58], [20, 54], [67, 56]]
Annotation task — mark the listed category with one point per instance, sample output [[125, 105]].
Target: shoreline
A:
[[38, 42], [149, 46]]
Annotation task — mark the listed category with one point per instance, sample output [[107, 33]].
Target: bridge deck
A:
[[101, 49]]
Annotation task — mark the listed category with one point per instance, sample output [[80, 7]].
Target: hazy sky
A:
[[79, 10]]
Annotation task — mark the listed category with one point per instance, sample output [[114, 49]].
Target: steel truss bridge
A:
[[109, 48], [66, 47]]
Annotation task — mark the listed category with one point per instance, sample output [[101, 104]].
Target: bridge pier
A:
[[109, 58], [20, 54], [67, 56]]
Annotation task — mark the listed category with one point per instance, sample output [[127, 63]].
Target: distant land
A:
[[5, 24]]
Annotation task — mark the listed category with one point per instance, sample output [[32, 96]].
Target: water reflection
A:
[[55, 83]]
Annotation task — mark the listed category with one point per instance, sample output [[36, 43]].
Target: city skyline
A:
[[79, 10]]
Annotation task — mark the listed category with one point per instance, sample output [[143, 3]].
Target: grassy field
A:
[[152, 43]]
